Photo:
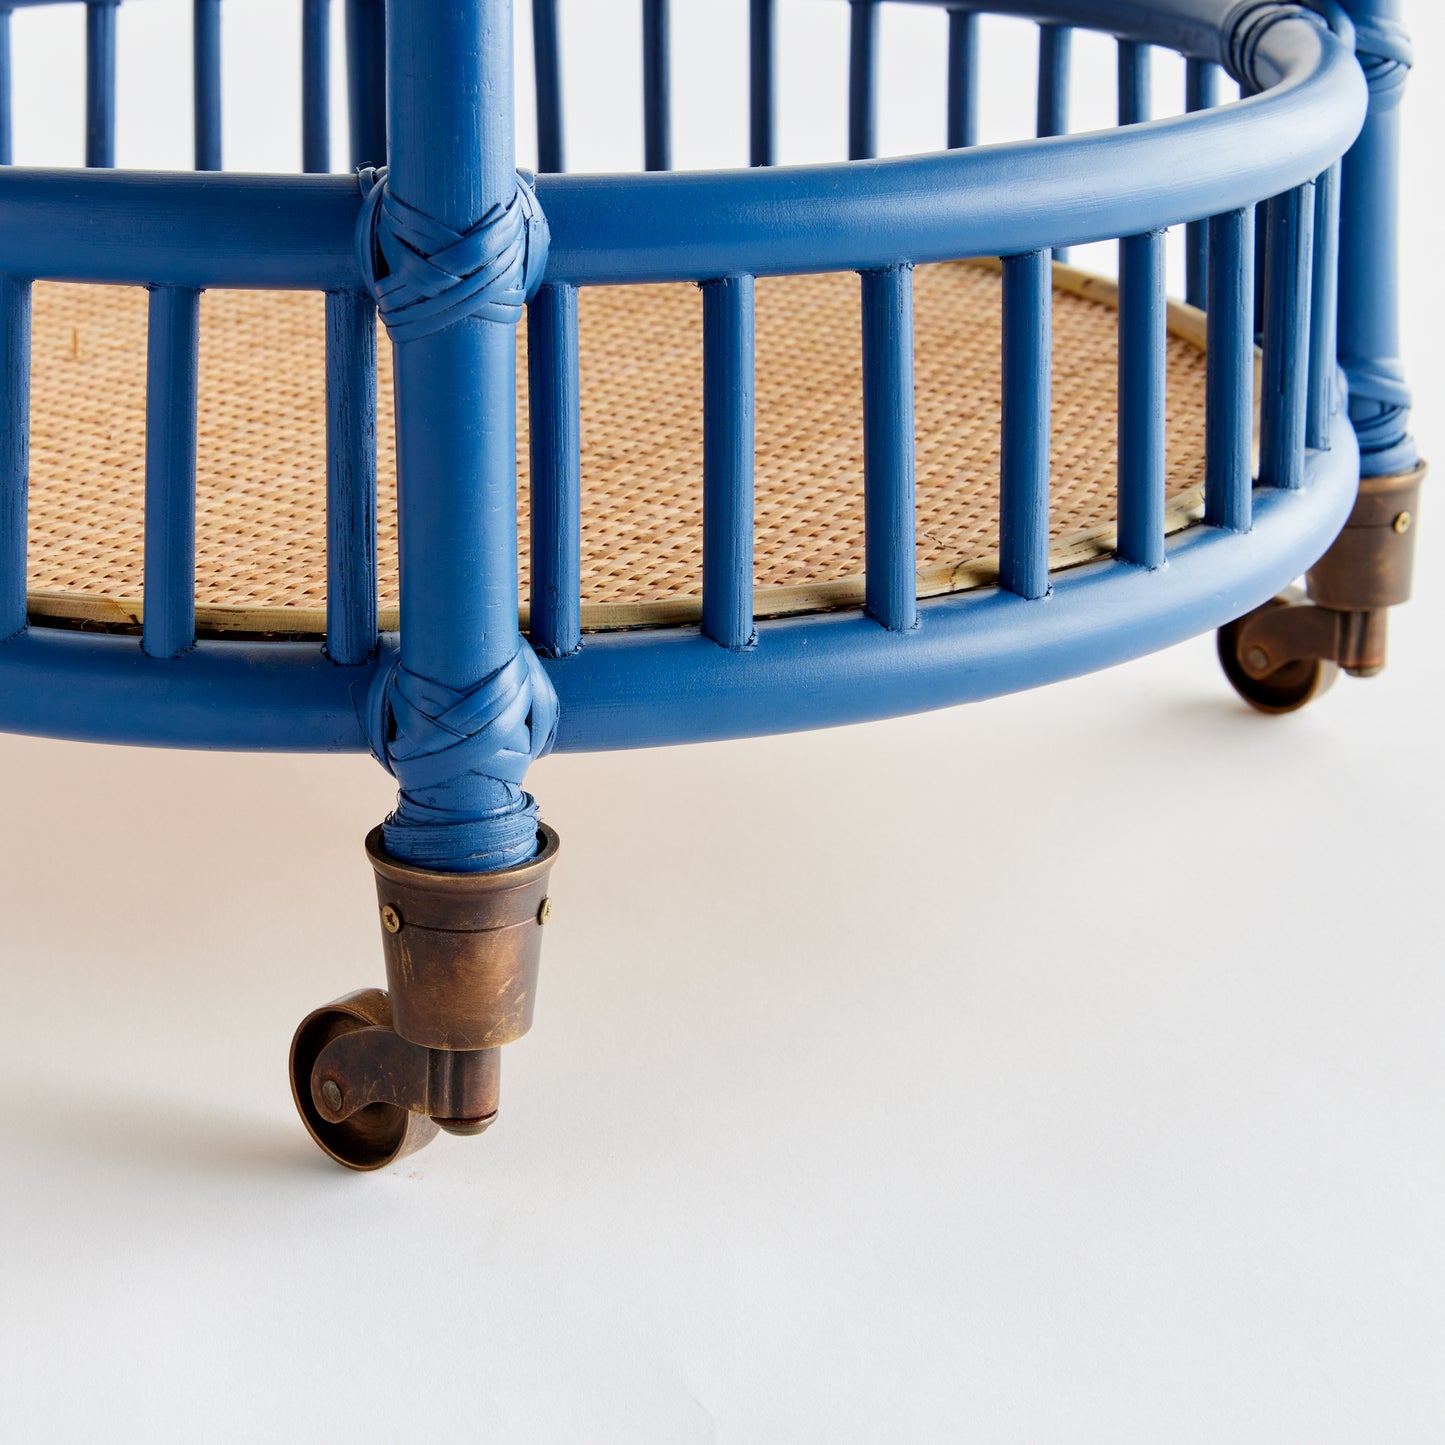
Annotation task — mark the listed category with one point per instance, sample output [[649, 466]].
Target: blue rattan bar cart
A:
[[800, 445]]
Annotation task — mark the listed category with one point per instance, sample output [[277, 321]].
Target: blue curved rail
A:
[[136, 228], [805, 672], [987, 201], [1210, 168]]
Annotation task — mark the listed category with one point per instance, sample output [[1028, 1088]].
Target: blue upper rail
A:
[[252, 231]]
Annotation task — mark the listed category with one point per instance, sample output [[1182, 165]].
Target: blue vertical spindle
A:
[[6, 141], [366, 80], [863, 80], [14, 450], [762, 82], [1135, 100], [316, 86], [206, 79], [169, 624], [1261, 266], [1201, 85], [554, 393], [890, 524], [1229, 362], [962, 79], [1055, 48], [656, 86], [350, 477], [727, 515], [1142, 333], [1201, 92], [547, 70], [1287, 287], [1056, 44], [1324, 293], [1024, 455], [100, 82]]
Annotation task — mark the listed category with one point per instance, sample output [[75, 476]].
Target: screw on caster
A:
[[1289, 651], [375, 1075]]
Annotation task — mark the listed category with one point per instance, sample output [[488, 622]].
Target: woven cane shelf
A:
[[261, 534]]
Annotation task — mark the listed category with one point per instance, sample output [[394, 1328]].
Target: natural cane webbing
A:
[[261, 543]]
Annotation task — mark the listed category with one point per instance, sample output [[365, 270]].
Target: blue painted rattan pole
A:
[[890, 524], [656, 86], [1261, 267], [350, 477], [6, 134], [547, 71], [1201, 85], [962, 79], [1055, 50], [14, 450], [206, 82], [1229, 364], [316, 86], [1284, 394], [169, 624], [762, 82], [1323, 299], [1369, 334], [366, 81], [1056, 43], [1023, 563], [1135, 101], [727, 444], [554, 396], [463, 244], [863, 80], [1201, 92], [100, 82], [1142, 332]]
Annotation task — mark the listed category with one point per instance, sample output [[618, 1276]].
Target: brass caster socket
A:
[[462, 949], [1371, 564]]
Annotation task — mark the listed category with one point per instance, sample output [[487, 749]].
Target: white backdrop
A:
[[1061, 1069]]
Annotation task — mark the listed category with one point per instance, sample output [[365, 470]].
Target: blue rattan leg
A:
[[1369, 332], [452, 244]]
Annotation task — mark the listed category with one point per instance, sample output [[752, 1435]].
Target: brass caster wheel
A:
[[377, 1134], [1245, 655]]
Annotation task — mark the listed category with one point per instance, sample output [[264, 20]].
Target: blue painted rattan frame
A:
[[1305, 101]]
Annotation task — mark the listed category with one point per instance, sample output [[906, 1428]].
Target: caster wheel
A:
[[1290, 686], [376, 1135]]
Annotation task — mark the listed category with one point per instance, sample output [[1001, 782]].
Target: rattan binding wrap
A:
[[261, 528]]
